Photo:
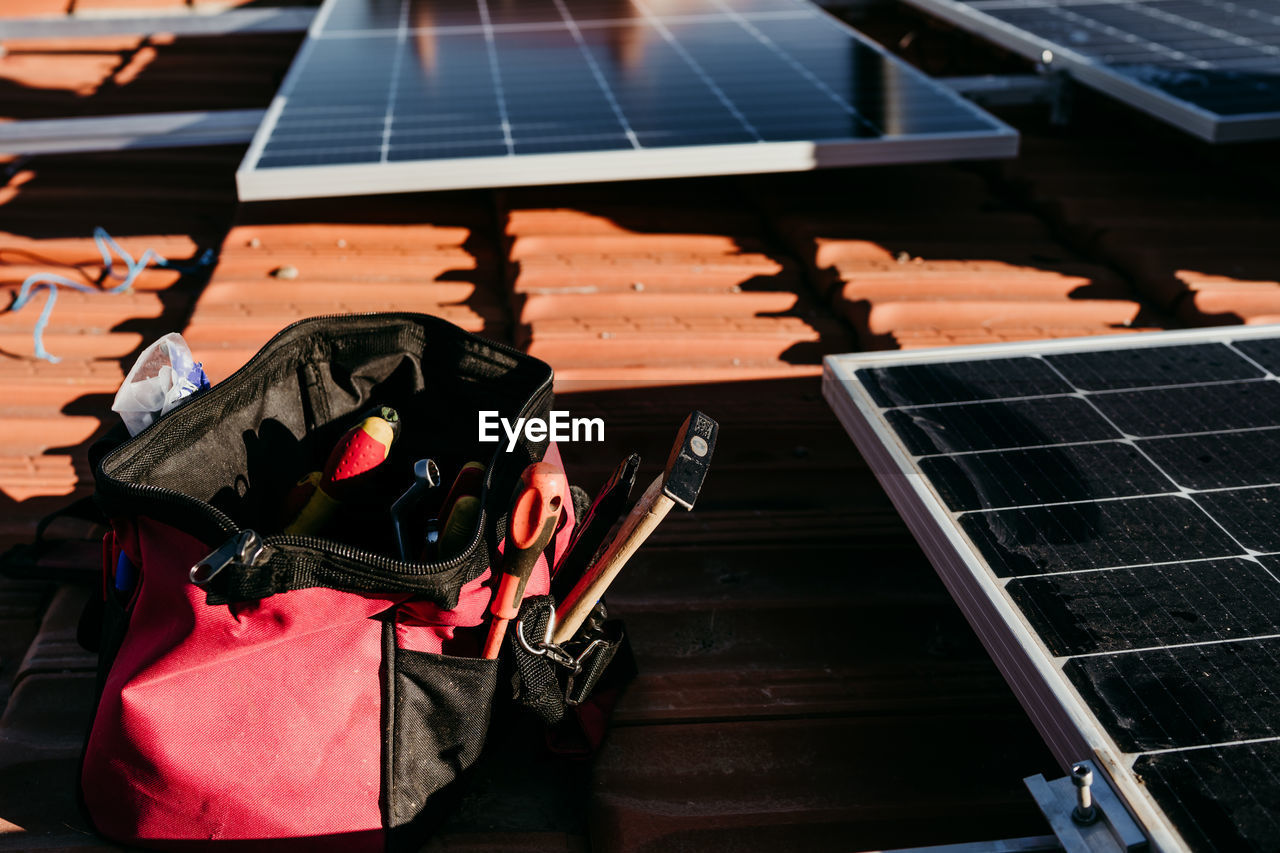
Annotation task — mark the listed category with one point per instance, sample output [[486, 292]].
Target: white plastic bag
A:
[[163, 376]]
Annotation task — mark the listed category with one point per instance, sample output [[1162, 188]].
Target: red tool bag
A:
[[308, 693]]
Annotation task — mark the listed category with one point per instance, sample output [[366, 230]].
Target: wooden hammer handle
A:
[[648, 512]]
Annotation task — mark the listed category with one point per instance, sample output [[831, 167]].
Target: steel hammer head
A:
[[690, 459]]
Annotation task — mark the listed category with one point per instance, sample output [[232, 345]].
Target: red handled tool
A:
[[364, 447], [539, 500]]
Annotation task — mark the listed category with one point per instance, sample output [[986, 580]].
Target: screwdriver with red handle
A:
[[535, 513], [361, 449]]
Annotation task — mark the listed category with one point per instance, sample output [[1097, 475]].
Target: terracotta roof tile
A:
[[618, 218], [54, 411], [970, 267], [117, 75], [614, 289], [284, 262], [1201, 247], [31, 8], [667, 273]]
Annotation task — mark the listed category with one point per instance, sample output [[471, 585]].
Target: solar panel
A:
[[396, 95], [1107, 514], [1210, 67]]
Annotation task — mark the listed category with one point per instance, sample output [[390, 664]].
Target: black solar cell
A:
[[1126, 501]]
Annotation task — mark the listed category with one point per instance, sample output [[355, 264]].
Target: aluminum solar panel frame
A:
[[1107, 515], [405, 95], [1210, 67]]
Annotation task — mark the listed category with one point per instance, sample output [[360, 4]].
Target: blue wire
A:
[[106, 246]]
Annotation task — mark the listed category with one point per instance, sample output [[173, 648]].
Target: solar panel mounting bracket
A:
[[1051, 87], [1112, 831]]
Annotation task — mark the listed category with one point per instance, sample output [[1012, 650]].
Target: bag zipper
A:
[[238, 536], [245, 548]]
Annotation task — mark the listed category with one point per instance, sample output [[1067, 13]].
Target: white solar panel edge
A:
[[620, 164], [1086, 343], [1035, 675], [1202, 123]]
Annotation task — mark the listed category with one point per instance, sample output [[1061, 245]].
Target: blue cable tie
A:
[[106, 247]]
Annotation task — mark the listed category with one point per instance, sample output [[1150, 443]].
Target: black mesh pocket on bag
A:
[[439, 713]]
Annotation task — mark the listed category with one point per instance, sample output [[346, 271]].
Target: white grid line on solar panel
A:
[[583, 24], [1234, 346], [597, 73], [1199, 746], [402, 38], [697, 68], [1251, 555], [1148, 7], [1111, 657], [1098, 411], [524, 139], [1187, 645], [1084, 393], [335, 110], [1246, 553], [311, 146], [497, 77], [373, 146], [1129, 566], [1266, 33], [1238, 9], [1124, 35], [1144, 662], [1049, 445], [1138, 615], [1229, 606], [1181, 709], [998, 5], [1196, 26], [797, 66], [1112, 662], [1203, 831], [1205, 49], [301, 134], [1175, 492]]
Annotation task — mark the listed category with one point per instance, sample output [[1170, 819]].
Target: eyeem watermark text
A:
[[558, 427]]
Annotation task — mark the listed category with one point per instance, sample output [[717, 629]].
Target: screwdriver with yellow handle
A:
[[364, 447], [535, 513]]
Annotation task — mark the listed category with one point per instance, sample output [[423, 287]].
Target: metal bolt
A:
[[1084, 813]]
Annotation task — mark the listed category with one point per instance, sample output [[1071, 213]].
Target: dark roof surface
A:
[[805, 681]]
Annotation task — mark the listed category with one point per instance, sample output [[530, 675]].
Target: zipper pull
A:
[[245, 547]]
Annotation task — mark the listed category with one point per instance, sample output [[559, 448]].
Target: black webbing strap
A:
[[548, 679]]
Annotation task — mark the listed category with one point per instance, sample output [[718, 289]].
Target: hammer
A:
[[679, 483]]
